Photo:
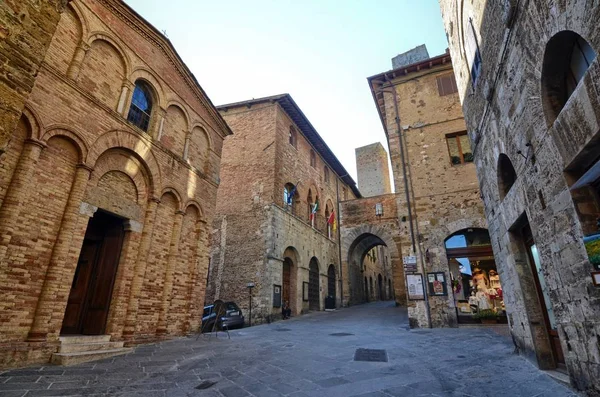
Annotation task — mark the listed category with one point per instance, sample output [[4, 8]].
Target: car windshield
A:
[[232, 306], [207, 311]]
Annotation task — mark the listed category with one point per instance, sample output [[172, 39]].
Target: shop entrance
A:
[[542, 292], [91, 290], [474, 278], [313, 285]]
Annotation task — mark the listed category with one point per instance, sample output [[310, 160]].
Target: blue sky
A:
[[320, 52]]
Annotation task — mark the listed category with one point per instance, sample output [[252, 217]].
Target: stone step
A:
[[83, 338], [85, 356], [89, 346]]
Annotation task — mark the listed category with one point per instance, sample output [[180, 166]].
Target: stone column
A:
[[186, 147], [59, 275], [160, 117], [161, 328], [140, 268], [75, 66], [120, 296], [17, 192], [126, 88]]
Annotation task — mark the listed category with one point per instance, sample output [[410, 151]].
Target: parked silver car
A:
[[231, 316]]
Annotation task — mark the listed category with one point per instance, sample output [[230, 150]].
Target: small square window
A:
[[446, 84], [326, 174], [313, 159], [293, 137], [459, 148]]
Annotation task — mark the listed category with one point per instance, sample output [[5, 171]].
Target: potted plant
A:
[[486, 316]]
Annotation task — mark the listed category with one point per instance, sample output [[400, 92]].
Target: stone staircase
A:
[[83, 348]]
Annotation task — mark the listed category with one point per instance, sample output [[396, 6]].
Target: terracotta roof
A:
[[293, 111]]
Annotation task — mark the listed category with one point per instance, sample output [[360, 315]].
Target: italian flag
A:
[[313, 213], [331, 220]]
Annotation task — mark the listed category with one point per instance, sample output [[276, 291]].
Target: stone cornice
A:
[[144, 28]]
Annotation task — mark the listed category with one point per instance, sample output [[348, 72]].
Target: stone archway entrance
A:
[[91, 290], [289, 286], [313, 285]]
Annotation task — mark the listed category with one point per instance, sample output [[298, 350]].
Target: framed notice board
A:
[[436, 283], [276, 295], [414, 283]]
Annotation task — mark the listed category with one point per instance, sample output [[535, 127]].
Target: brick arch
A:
[[197, 205], [105, 36], [206, 130], [85, 25], [36, 129], [70, 133], [106, 165], [135, 144], [153, 80], [175, 102], [175, 193], [450, 228]]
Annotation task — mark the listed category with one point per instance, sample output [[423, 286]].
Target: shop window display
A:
[[476, 286]]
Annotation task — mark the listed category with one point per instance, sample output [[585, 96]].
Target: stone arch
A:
[[290, 285], [109, 38], [70, 31], [134, 143], [506, 175], [175, 102], [314, 284], [36, 129], [355, 245], [175, 129], [566, 59], [175, 193], [70, 133], [85, 24], [103, 70], [207, 130], [196, 205], [140, 73]]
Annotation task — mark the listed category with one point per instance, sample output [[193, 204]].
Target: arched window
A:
[[290, 196], [313, 159], [309, 202], [140, 110], [506, 175], [566, 60], [293, 137], [326, 174]]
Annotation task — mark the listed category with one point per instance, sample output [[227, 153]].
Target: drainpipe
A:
[[337, 215], [407, 194]]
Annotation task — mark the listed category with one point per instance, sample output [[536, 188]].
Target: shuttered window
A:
[[446, 84]]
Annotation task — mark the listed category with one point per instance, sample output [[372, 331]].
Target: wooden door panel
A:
[[286, 282], [101, 286], [81, 279]]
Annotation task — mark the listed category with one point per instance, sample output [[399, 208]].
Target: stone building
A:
[[528, 78], [372, 170], [107, 186], [377, 273], [275, 168], [436, 204]]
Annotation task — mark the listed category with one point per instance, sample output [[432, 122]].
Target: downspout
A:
[[337, 195], [407, 194]]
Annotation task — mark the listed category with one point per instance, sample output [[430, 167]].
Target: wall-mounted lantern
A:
[[378, 210]]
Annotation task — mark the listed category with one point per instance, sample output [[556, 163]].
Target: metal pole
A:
[[337, 215], [250, 299]]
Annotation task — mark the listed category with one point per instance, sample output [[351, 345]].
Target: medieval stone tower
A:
[[373, 171]]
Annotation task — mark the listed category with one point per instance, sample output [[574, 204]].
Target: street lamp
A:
[[250, 286]]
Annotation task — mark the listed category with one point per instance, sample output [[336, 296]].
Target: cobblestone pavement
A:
[[312, 355]]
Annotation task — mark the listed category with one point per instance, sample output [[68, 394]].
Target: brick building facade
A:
[[274, 168], [107, 189], [528, 74], [436, 196]]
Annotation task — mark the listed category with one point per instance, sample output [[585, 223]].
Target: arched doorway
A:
[[331, 281], [313, 285], [288, 280], [368, 257], [474, 278]]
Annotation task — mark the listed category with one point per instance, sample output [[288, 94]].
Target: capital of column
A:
[[180, 212], [85, 167], [128, 84], [154, 200], [35, 142], [132, 226], [83, 46]]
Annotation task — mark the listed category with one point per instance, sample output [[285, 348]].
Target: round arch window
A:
[[140, 110]]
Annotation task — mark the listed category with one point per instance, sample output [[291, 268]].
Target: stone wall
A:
[[511, 112], [74, 155], [373, 171], [256, 230]]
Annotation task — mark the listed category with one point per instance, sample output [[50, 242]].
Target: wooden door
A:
[[76, 302], [313, 287], [543, 297], [331, 281], [91, 290], [287, 273]]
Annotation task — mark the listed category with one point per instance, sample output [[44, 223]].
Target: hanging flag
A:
[[331, 219], [313, 213], [291, 193]]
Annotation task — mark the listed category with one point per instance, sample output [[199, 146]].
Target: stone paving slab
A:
[[305, 361]]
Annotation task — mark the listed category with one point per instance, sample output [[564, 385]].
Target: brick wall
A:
[[75, 155]]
